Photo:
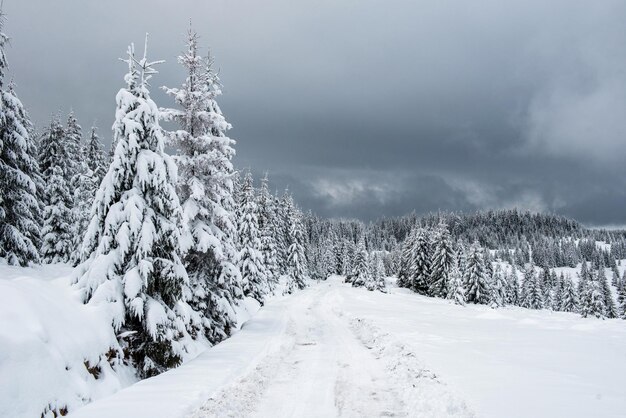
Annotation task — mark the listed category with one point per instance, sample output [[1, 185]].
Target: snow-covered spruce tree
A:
[[499, 288], [512, 281], [377, 281], [360, 272], [205, 189], [131, 251], [474, 276], [92, 166], [442, 260], [253, 271], [296, 260], [456, 291], [266, 214], [95, 157], [421, 255], [569, 301], [621, 299], [281, 224], [73, 142], [19, 174], [348, 253], [532, 296], [592, 301], [58, 229], [584, 276], [337, 248], [406, 260], [610, 309]]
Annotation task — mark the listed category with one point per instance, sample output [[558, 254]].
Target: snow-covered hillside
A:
[[332, 350]]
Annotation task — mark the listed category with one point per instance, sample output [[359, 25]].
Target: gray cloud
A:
[[367, 108]]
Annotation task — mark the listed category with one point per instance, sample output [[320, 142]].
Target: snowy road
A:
[[331, 365], [335, 351]]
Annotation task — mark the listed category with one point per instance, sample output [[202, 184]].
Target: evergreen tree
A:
[[281, 226], [253, 272], [95, 157], [475, 281], [499, 288], [91, 170], [533, 291], [513, 287], [621, 298], [442, 261], [610, 310], [205, 189], [296, 261], [592, 300], [421, 264], [361, 273], [406, 261], [19, 174], [58, 232], [583, 277], [73, 143], [377, 281], [131, 252], [569, 303], [266, 214], [456, 291]]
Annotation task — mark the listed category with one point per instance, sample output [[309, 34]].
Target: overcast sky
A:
[[365, 108]]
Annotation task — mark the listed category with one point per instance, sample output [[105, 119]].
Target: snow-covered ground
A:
[[52, 346], [47, 337], [332, 350]]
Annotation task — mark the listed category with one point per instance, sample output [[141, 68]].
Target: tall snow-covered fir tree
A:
[[406, 260], [499, 287], [456, 289], [91, 169], [296, 256], [205, 188], [131, 251], [73, 142], [58, 231], [569, 301], [95, 156], [421, 262], [360, 270], [609, 304], [442, 261], [533, 294], [475, 280], [377, 270], [266, 212], [282, 223], [253, 271], [19, 173]]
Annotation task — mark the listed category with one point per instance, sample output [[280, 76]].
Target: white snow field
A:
[[327, 351], [335, 351]]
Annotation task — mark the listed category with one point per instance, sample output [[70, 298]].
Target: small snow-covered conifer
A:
[[253, 271], [442, 261], [421, 255], [475, 280]]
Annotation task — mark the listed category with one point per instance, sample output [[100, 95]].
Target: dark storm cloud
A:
[[368, 108]]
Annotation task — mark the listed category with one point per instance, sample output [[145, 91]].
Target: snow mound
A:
[[55, 352]]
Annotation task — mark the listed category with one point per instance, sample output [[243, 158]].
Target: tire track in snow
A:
[[330, 365]]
